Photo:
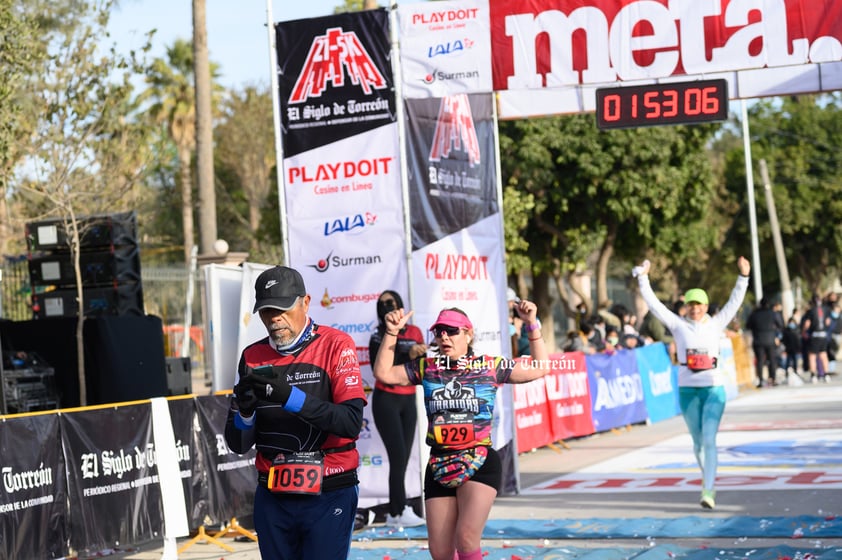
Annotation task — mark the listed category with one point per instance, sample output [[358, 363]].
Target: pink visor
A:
[[450, 318]]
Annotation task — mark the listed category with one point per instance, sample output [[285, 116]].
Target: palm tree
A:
[[204, 130], [171, 88]]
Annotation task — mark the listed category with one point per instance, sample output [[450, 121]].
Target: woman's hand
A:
[[417, 351], [527, 311], [397, 319], [642, 269], [743, 266]]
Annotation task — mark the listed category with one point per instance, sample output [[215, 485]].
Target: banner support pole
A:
[[279, 148]]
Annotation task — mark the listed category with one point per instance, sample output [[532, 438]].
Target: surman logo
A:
[[330, 56], [455, 130]]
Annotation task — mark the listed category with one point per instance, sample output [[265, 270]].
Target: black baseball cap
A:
[[278, 288]]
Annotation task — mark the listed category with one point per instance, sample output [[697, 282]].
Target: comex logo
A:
[[330, 56]]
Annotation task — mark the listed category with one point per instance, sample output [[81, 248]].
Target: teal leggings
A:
[[702, 408]]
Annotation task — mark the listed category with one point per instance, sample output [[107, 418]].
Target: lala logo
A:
[[330, 56], [349, 223], [453, 47], [455, 130]]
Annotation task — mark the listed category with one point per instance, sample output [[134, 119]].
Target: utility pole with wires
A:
[[787, 300]]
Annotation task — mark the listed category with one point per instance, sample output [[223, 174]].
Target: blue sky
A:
[[237, 33]]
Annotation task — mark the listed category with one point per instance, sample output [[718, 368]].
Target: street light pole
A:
[[752, 216]]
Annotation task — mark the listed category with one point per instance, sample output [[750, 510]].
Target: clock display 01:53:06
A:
[[660, 104]]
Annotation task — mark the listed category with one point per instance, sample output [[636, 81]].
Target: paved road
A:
[[780, 457]]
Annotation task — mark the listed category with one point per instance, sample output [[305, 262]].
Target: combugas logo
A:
[[455, 130], [331, 56]]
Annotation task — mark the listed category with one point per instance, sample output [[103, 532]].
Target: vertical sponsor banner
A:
[[374, 466], [616, 390], [112, 477], [445, 48], [569, 397], [659, 379], [33, 514], [230, 479], [342, 167], [456, 229]]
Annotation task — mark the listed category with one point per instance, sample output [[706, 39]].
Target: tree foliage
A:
[[626, 192], [88, 153], [245, 154], [799, 137], [20, 55]]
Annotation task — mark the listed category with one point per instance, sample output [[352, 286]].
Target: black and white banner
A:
[[33, 515]]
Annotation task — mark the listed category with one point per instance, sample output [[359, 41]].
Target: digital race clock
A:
[[656, 104]]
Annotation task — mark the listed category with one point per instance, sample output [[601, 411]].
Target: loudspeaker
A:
[[124, 356], [96, 232], [121, 265], [122, 299], [179, 380]]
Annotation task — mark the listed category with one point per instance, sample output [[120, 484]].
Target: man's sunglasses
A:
[[439, 330]]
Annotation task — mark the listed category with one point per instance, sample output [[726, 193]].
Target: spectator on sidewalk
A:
[[765, 325], [791, 339], [815, 325], [394, 410]]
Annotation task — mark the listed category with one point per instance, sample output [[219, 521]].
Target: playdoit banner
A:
[[341, 180]]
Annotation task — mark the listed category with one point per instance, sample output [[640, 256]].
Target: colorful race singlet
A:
[[459, 398]]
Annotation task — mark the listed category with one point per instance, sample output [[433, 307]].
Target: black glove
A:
[[246, 399], [275, 389]]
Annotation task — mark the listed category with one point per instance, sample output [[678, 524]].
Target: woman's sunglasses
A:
[[439, 330]]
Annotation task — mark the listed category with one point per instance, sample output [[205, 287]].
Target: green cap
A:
[[696, 294]]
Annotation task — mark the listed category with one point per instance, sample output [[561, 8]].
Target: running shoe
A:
[[406, 519], [707, 501]]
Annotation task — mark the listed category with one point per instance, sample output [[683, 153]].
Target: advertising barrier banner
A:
[[230, 479], [616, 390], [660, 381], [569, 396], [33, 515], [112, 478]]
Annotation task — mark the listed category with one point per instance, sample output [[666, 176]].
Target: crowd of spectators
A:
[[616, 327]]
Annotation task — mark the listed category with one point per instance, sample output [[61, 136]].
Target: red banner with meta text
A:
[[556, 43]]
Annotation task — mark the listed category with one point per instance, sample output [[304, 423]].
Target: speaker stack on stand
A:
[[109, 260]]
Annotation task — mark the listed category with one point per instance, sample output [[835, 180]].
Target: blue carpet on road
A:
[[806, 533], [654, 552], [805, 526]]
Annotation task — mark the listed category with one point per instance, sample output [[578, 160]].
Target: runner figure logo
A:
[[330, 56]]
